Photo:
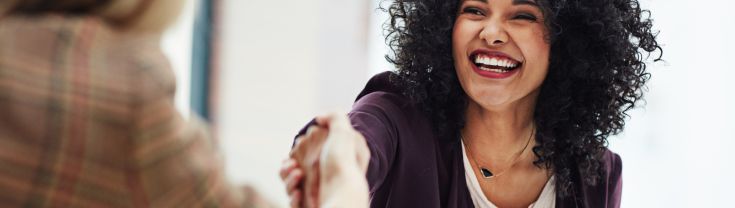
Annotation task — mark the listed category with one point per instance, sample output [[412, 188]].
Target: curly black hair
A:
[[596, 74]]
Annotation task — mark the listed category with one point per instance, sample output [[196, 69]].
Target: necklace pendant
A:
[[486, 173]]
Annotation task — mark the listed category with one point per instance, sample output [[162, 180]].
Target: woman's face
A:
[[500, 54]]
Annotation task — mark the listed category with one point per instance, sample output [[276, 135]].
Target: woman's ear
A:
[[143, 16]]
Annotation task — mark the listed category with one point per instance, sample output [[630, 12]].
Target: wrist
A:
[[346, 188]]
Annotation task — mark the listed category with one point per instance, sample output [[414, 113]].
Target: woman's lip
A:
[[494, 75]]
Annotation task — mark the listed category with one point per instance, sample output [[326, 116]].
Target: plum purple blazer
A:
[[412, 167]]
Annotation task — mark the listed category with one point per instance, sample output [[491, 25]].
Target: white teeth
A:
[[493, 62], [492, 69], [484, 60]]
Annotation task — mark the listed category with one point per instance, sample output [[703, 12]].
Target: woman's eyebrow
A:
[[526, 2], [515, 2]]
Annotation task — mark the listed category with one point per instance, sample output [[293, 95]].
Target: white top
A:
[[547, 199]]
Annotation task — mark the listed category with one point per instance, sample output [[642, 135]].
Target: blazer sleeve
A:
[[378, 117]]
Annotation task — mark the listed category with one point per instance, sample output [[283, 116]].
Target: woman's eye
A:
[[524, 16], [473, 10]]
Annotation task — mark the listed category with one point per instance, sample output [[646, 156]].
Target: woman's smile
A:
[[494, 64]]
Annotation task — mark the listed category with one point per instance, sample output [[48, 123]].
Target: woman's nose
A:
[[494, 34]]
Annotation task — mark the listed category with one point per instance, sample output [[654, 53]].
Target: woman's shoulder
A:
[[611, 163], [382, 82], [382, 95], [381, 89], [382, 103]]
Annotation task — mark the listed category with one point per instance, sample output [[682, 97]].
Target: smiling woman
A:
[[503, 103]]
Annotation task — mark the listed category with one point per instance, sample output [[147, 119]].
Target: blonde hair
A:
[[128, 15]]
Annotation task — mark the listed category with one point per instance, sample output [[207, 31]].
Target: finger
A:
[[314, 138], [319, 134], [327, 119], [315, 191], [286, 166], [294, 179], [303, 143], [304, 140], [311, 130], [296, 197], [296, 147]]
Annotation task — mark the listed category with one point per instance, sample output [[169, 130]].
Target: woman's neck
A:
[[495, 133]]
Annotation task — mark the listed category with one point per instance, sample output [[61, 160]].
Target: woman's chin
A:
[[492, 101]]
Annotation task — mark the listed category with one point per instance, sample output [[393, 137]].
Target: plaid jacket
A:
[[87, 119]]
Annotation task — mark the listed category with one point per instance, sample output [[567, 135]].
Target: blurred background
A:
[[259, 70]]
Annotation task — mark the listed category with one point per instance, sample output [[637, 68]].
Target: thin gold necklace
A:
[[485, 172]]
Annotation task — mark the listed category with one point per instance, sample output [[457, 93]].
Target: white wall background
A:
[[285, 61], [677, 150]]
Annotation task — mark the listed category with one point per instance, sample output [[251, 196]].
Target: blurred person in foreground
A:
[[87, 115]]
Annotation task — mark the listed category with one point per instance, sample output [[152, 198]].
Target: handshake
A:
[[327, 166]]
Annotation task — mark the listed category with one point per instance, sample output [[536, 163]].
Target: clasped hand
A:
[[327, 166]]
